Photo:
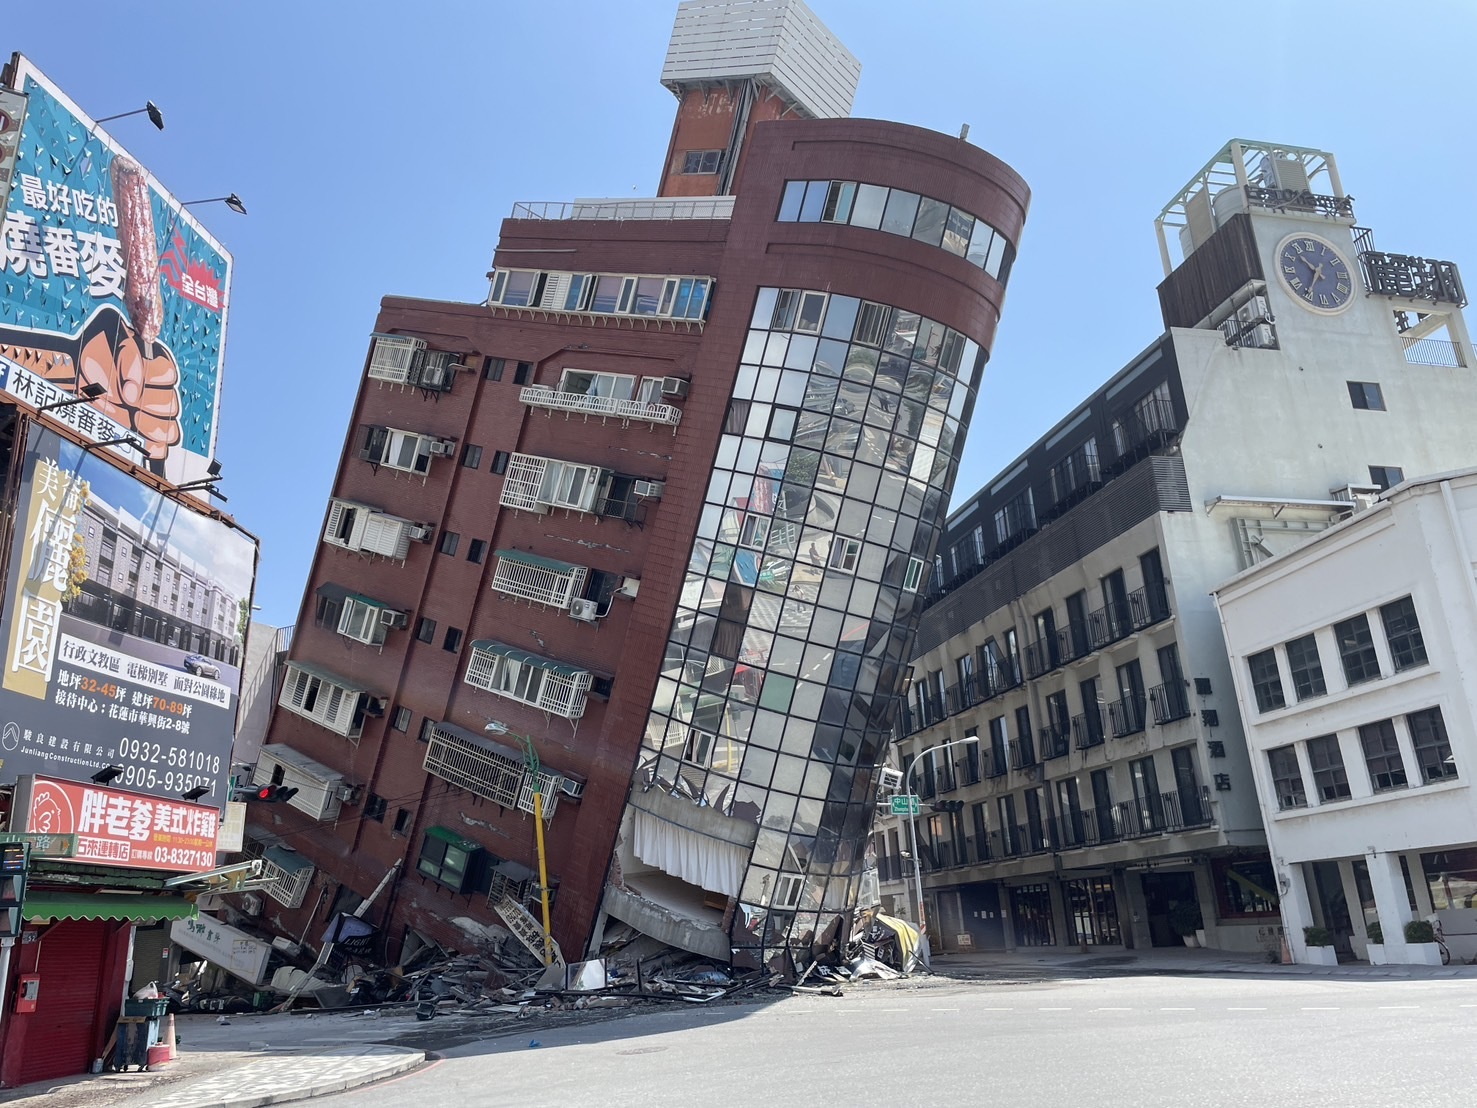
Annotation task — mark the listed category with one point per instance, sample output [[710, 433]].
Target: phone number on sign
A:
[[146, 777], [174, 757], [181, 856]]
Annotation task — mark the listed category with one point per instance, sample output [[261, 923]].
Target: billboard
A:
[[116, 828], [123, 628], [106, 279]]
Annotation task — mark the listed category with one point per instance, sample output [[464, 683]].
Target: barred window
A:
[[1382, 755], [1266, 682], [1403, 632]]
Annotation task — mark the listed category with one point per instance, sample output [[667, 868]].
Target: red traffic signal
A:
[[272, 794]]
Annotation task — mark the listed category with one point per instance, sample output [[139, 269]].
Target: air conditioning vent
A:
[[443, 448], [630, 586], [586, 611], [420, 532], [571, 788], [650, 490], [674, 386], [392, 619]]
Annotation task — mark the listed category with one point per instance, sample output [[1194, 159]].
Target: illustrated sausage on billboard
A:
[[138, 247]]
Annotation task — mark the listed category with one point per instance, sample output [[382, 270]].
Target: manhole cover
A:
[[643, 1050]]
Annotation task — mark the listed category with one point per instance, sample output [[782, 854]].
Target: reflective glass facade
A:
[[786, 654]]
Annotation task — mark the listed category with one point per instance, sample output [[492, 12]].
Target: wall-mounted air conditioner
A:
[[587, 611], [251, 903], [674, 386], [420, 532], [443, 448], [650, 490], [571, 788], [393, 619]]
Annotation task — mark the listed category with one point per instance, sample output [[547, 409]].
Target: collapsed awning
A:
[[106, 906]]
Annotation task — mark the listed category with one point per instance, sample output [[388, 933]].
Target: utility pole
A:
[[531, 764], [913, 835]]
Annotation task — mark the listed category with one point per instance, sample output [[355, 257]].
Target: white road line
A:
[[1467, 1005], [1320, 1009], [1112, 1009], [943, 1009], [1053, 1009], [1012, 1009]]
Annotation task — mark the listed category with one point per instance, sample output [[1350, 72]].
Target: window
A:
[[400, 720], [1366, 396], [1403, 632], [845, 554], [493, 370], [472, 456], [1382, 755], [425, 629], [518, 675], [406, 451], [362, 620], [523, 373], [500, 461], [446, 858], [754, 531], [1386, 476], [323, 698], [611, 386], [1356, 649], [448, 543], [1287, 778], [701, 161], [1266, 682], [782, 424], [453, 640], [1432, 747], [913, 575], [1327, 760], [1306, 670], [477, 550], [402, 820], [374, 808]]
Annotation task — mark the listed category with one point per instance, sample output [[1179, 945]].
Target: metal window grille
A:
[[537, 583]]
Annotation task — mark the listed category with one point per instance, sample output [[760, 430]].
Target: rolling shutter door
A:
[[59, 1038]]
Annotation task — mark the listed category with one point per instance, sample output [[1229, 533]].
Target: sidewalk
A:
[[1028, 962], [253, 1060]]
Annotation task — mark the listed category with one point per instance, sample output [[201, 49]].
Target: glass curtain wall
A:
[[785, 657]]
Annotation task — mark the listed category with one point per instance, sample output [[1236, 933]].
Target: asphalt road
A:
[[1184, 1042]]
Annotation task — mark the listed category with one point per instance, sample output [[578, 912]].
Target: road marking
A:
[[1012, 1009], [1112, 1009], [1246, 1009], [1396, 1007], [943, 1009], [1467, 1005]]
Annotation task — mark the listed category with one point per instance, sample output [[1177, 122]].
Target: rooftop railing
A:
[[701, 207]]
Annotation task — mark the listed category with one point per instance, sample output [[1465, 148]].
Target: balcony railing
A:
[[1054, 741], [1043, 655], [1170, 702], [1441, 352], [1087, 730], [606, 407], [716, 207], [1022, 753], [1127, 716], [1164, 814], [995, 763]]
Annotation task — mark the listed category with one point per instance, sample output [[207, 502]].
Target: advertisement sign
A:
[[12, 116], [223, 945], [115, 828], [106, 279], [124, 629]]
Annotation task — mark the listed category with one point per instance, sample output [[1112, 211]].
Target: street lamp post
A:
[[913, 833], [531, 762]]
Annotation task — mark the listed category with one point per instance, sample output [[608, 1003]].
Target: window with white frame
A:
[[698, 749], [366, 620], [753, 532], [528, 678], [787, 890], [323, 698], [541, 580], [537, 484], [358, 527], [845, 554], [584, 382], [407, 451]]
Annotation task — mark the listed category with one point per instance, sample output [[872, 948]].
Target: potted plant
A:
[[1420, 937], [1319, 941], [1375, 944], [1184, 921]]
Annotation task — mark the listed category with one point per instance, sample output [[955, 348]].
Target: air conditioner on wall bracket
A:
[[586, 611], [674, 386], [443, 448], [650, 490]]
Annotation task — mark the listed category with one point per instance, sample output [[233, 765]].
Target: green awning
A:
[[106, 906], [286, 859], [447, 835], [554, 565], [503, 650]]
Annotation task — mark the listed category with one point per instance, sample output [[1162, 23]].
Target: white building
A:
[[1071, 627], [1355, 662]]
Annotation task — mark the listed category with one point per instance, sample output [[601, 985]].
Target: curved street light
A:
[[913, 837]]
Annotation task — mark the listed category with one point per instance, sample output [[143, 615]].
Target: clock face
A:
[[1315, 273]]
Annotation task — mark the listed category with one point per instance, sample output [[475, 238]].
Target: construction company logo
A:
[[116, 828]]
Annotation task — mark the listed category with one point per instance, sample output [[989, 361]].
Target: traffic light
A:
[[13, 867], [947, 805], [272, 794]]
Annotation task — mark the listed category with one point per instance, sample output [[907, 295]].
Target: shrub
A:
[[1376, 932], [1419, 931], [1184, 919], [1317, 936]]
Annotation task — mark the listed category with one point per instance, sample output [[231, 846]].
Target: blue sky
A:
[[378, 152]]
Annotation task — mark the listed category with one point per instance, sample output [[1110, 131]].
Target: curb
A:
[[200, 1093]]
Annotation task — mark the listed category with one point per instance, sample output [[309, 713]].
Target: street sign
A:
[[905, 805]]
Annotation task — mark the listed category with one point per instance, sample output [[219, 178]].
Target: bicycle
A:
[[1438, 936]]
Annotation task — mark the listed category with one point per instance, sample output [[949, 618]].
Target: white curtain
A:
[[697, 859]]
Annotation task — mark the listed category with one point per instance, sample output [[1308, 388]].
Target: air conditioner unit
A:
[[392, 619], [650, 490], [674, 386], [420, 532], [571, 788], [346, 793], [375, 706], [630, 586], [443, 448], [889, 781], [585, 611], [251, 903]]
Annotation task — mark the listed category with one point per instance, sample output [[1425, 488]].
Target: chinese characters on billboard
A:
[[115, 828], [124, 630], [105, 279]]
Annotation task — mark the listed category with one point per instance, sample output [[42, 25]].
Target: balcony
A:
[[1043, 655], [1087, 730], [702, 207], [1170, 702], [1054, 741], [320, 789], [487, 769], [995, 764], [1436, 352], [506, 671], [1165, 813], [325, 698], [1127, 716], [605, 407], [1022, 754], [536, 484], [538, 579]]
